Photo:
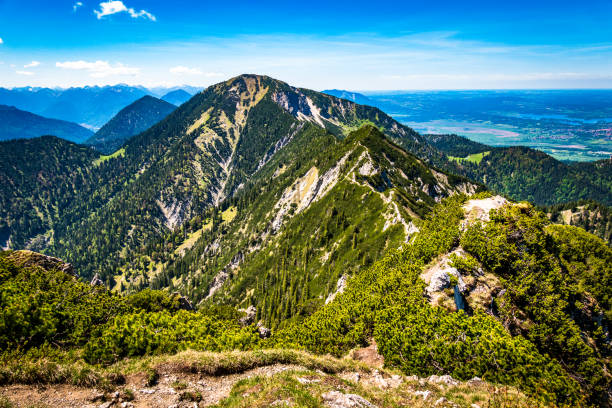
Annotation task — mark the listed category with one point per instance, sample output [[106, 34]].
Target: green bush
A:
[[145, 333]]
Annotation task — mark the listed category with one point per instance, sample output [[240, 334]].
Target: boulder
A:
[[336, 399], [96, 281], [264, 332], [27, 258], [250, 315], [442, 380]]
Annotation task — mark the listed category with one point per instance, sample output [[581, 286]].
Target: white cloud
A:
[[76, 5], [1, 42], [99, 69], [32, 64], [108, 8], [28, 73]]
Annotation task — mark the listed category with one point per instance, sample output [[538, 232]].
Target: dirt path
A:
[[172, 390]]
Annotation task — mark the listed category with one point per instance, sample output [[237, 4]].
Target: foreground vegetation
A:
[[258, 379], [545, 334]]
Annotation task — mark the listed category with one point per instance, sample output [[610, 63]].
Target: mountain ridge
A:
[[19, 124], [129, 121]]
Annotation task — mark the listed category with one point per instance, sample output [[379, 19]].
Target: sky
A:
[[357, 45]]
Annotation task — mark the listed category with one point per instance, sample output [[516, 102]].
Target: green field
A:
[[473, 158], [103, 158]]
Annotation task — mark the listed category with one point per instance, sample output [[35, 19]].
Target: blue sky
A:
[[360, 45]]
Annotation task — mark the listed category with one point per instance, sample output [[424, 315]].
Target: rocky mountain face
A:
[[590, 215], [131, 120]]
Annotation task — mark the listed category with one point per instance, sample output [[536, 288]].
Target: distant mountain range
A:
[[177, 97], [19, 124], [131, 120], [351, 96], [90, 106]]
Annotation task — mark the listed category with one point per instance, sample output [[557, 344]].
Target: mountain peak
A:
[[131, 120]]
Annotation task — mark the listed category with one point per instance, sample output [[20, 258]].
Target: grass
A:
[[229, 214], [302, 386], [103, 158], [472, 158], [193, 237], [306, 388], [79, 373]]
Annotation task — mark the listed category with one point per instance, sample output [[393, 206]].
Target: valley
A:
[[571, 125]]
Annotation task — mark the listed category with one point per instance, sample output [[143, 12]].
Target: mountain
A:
[[260, 216], [91, 106], [40, 179], [202, 153], [18, 124], [131, 120], [351, 96], [522, 173], [590, 215], [487, 296], [177, 97], [320, 210]]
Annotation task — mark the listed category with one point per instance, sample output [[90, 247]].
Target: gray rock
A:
[[250, 315], [336, 399], [96, 281], [264, 332], [98, 396], [424, 394], [442, 380]]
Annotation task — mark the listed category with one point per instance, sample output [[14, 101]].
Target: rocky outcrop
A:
[[27, 258], [224, 275], [250, 314], [478, 210], [96, 281], [263, 331], [183, 302], [340, 286]]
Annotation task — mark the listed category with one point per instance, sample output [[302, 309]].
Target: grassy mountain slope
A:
[[40, 179], [131, 120], [313, 216], [534, 299], [536, 306], [18, 124], [589, 215], [523, 173], [199, 155]]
